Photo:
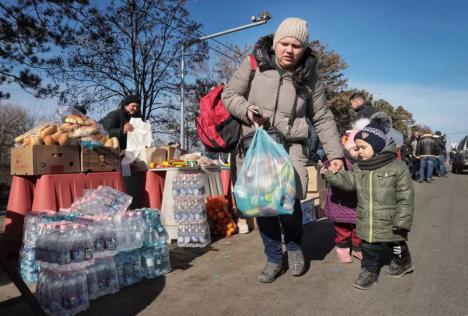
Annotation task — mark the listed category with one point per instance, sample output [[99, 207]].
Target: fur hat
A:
[[293, 27]]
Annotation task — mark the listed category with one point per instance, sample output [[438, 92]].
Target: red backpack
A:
[[218, 130]]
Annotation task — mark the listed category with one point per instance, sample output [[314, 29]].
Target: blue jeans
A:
[[441, 164], [270, 231], [426, 164]]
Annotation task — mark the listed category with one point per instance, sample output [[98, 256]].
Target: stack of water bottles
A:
[[63, 251], [92, 249], [188, 191], [155, 252], [34, 222], [130, 228]]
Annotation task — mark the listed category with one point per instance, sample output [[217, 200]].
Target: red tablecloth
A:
[[154, 187], [50, 192]]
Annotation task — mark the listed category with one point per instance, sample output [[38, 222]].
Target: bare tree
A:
[[31, 36], [14, 121], [132, 46]]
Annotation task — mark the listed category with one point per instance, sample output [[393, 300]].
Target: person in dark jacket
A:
[[428, 153], [440, 162], [363, 109], [385, 205], [116, 123]]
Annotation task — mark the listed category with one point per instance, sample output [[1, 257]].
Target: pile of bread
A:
[[76, 128]]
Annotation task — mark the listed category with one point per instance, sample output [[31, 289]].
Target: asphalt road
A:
[[222, 280]]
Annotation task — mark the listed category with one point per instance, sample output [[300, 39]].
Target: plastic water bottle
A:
[[92, 282]]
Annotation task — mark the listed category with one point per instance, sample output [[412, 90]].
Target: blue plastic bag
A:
[[266, 185]]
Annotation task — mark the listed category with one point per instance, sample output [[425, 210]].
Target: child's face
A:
[[365, 150], [354, 152]]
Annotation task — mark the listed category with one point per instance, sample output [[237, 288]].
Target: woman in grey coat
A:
[[285, 82]]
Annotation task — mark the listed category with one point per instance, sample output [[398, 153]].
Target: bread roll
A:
[[71, 119], [62, 139], [48, 140], [80, 120], [26, 141], [66, 127], [109, 143], [36, 140], [89, 122], [43, 127], [49, 130], [85, 131], [115, 143], [56, 135]]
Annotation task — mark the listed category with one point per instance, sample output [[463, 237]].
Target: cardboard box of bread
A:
[[55, 148]]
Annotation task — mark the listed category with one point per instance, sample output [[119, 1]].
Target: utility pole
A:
[[262, 18]]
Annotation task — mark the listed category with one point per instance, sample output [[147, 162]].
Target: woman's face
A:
[[288, 52], [365, 150]]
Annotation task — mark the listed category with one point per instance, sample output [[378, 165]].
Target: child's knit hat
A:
[[374, 135]]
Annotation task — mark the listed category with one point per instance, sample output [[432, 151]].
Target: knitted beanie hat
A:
[[293, 27], [374, 135], [129, 99]]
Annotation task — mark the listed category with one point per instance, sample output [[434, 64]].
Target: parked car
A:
[[460, 156]]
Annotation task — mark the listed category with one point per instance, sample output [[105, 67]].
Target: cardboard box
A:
[[100, 159], [41, 159], [173, 153], [148, 155]]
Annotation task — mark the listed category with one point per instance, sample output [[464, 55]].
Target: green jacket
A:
[[385, 200]]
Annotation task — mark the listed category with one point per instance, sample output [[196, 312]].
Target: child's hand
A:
[[335, 165], [323, 171]]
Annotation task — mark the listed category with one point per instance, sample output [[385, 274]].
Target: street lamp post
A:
[[262, 18]]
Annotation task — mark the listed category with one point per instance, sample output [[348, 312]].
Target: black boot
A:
[[395, 270], [365, 279]]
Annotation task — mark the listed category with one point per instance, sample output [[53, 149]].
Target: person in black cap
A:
[[116, 123], [363, 109]]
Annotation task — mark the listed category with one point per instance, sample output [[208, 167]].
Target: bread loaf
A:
[[36, 140], [89, 122], [48, 140], [71, 119], [109, 143], [85, 131], [66, 127], [26, 141], [115, 143], [49, 130], [62, 139], [56, 135]]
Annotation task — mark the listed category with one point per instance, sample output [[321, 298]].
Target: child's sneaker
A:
[[365, 279], [343, 255], [270, 272], [357, 254], [296, 262], [397, 271]]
